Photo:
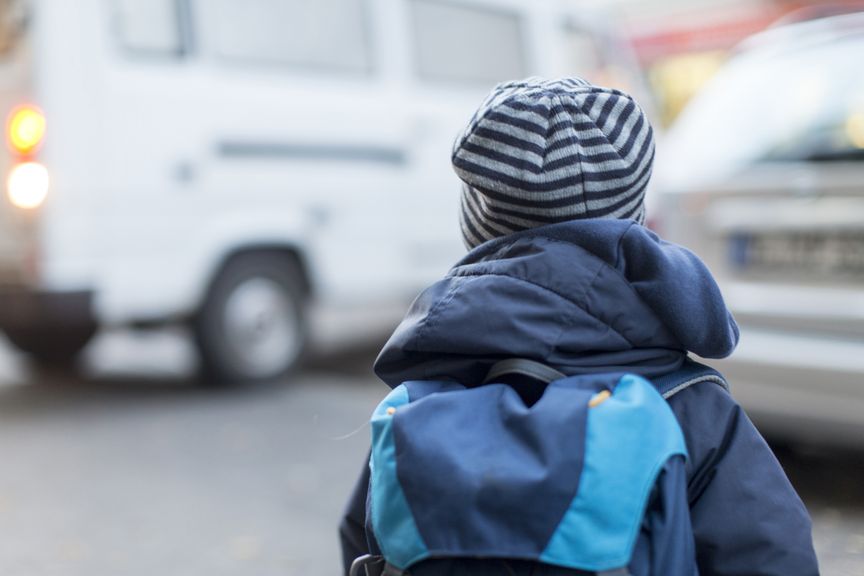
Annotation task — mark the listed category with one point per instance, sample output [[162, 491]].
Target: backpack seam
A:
[[698, 379]]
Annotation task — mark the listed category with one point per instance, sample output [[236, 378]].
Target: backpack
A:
[[531, 472]]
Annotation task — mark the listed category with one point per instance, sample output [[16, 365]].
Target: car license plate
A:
[[817, 252]]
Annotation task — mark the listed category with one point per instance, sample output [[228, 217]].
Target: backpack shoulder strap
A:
[[523, 367], [690, 373]]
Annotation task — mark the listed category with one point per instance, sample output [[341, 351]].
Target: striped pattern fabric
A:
[[541, 151]]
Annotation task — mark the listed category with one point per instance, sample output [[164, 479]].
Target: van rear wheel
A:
[[252, 325], [51, 346]]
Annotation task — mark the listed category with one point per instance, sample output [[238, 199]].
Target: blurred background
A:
[[215, 212]]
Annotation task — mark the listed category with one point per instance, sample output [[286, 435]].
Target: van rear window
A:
[[467, 44], [324, 35]]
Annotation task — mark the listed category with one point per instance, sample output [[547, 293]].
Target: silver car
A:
[[763, 176]]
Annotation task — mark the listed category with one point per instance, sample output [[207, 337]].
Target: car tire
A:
[[252, 327], [51, 346]]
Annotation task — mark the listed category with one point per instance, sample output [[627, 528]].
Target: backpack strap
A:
[[369, 565], [690, 373], [523, 367]]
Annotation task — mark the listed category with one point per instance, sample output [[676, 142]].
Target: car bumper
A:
[[24, 307]]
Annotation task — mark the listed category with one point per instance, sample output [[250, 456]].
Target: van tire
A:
[[252, 325], [51, 346]]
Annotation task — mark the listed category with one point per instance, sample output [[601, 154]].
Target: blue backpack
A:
[[531, 472]]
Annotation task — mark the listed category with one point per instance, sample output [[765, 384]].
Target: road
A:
[[134, 468]]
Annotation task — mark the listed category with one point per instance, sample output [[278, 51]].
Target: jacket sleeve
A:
[[352, 530], [747, 518]]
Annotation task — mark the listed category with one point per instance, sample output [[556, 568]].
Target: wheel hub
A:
[[261, 326]]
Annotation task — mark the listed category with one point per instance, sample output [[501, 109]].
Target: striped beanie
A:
[[543, 151]]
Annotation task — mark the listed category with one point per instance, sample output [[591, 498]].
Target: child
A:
[[562, 272]]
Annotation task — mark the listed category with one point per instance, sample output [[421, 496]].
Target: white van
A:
[[241, 166]]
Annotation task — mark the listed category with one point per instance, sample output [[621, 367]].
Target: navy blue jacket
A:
[[610, 296]]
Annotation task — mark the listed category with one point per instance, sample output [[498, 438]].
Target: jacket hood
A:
[[583, 296]]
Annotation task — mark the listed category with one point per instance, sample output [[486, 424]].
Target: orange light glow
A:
[[27, 185], [25, 129]]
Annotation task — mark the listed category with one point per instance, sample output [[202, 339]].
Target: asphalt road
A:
[[134, 468]]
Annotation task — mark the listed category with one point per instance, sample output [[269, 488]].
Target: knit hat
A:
[[543, 151]]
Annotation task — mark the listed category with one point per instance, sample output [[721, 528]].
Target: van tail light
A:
[[28, 181], [25, 129]]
